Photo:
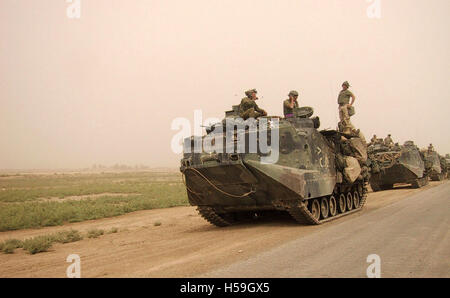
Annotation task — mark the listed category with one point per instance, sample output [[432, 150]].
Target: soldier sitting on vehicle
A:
[[248, 107], [373, 140]]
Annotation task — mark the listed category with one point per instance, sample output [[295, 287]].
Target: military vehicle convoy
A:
[[396, 164], [317, 177]]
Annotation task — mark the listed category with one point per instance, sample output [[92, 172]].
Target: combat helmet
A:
[[293, 93], [248, 93]]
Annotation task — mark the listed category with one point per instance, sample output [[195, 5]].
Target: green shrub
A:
[[8, 249], [67, 236], [38, 244], [95, 233], [10, 245], [113, 230]]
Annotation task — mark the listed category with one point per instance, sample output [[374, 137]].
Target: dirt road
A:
[[186, 246], [411, 239]]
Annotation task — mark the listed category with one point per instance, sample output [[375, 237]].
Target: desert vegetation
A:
[[36, 200]]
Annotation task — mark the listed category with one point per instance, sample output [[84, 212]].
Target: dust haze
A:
[[104, 88]]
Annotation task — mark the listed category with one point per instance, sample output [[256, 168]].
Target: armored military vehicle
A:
[[316, 176], [447, 161], [435, 167], [444, 166], [396, 164]]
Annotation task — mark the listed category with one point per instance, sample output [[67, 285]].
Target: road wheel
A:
[[356, 200], [342, 207], [349, 201], [315, 209], [333, 206], [324, 208]]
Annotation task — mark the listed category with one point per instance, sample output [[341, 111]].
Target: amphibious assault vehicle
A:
[[444, 167], [396, 164], [447, 162], [436, 166], [315, 176]]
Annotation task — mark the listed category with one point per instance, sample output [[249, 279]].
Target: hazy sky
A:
[[105, 88]]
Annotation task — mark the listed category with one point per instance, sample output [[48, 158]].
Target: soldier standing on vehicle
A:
[[344, 105], [290, 104], [248, 107]]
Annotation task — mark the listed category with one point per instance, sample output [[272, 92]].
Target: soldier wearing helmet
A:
[[248, 107], [290, 104], [344, 105], [388, 141]]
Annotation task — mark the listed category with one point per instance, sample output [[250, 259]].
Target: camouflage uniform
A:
[[343, 101], [388, 141], [287, 110], [248, 107], [374, 140]]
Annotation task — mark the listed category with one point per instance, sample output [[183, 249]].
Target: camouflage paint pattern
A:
[[305, 170], [434, 163], [390, 166]]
